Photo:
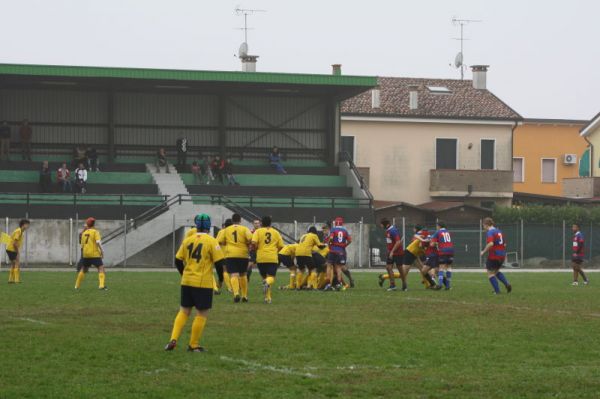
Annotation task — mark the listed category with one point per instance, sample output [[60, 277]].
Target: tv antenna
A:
[[245, 12], [459, 59]]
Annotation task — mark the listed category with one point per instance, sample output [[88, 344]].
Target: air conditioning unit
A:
[[570, 159]]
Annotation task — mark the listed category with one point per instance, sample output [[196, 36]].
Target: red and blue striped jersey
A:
[[445, 246], [339, 239], [392, 236], [429, 249], [578, 245], [498, 249]]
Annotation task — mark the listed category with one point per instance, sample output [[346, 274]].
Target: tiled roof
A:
[[463, 101]]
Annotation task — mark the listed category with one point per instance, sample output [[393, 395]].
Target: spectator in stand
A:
[[92, 159], [217, 167], [25, 134], [182, 147], [45, 178], [80, 179], [196, 172], [205, 168], [228, 169], [4, 141], [161, 160], [79, 156], [63, 177], [275, 161]]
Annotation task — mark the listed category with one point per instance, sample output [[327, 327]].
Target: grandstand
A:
[[128, 114]]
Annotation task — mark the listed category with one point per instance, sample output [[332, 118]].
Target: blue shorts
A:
[[335, 258], [494, 264], [432, 261], [446, 259]]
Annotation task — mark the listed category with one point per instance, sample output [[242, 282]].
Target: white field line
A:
[[32, 320], [256, 365], [514, 307]]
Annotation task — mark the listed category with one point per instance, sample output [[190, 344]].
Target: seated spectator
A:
[[79, 156], [161, 161], [275, 161], [4, 141], [196, 172], [63, 177], [45, 178], [228, 169], [216, 166], [92, 159], [80, 179], [205, 169]]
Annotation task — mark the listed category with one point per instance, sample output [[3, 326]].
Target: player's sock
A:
[[313, 280], [441, 277], [321, 280], [502, 278], [448, 278], [583, 275], [11, 275], [299, 279], [244, 286], [494, 283], [80, 277], [197, 329], [270, 281], [215, 285], [101, 279], [430, 280], [292, 280], [227, 280], [235, 285], [178, 325], [17, 275], [347, 274]]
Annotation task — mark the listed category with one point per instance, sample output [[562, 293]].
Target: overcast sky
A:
[[544, 55]]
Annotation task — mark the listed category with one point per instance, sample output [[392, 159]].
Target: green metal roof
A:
[[185, 75]]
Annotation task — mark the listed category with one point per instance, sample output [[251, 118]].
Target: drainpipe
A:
[[591, 156]]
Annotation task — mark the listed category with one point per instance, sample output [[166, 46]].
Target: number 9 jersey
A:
[[339, 239]]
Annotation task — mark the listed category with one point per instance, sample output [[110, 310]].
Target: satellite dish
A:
[[458, 61], [243, 51]]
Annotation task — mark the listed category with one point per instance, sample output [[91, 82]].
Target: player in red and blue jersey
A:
[[430, 264], [578, 255], [442, 241], [338, 240], [496, 250], [395, 252]]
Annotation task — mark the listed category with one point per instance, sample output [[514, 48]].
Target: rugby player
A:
[[236, 239], [304, 256], [395, 252], [13, 250], [496, 250], [92, 254], [268, 242], [442, 240], [222, 266], [578, 255], [339, 239], [255, 226], [286, 258]]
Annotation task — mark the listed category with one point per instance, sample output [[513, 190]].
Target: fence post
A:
[[360, 241], [522, 244], [393, 221], [480, 242], [70, 241], [564, 245], [77, 235], [173, 235], [26, 244], [591, 241], [125, 241], [295, 230]]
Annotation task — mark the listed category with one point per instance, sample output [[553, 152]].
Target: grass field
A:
[[541, 341]]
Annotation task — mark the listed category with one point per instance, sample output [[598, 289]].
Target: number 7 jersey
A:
[[199, 253]]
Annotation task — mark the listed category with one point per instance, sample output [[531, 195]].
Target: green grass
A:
[[539, 342]]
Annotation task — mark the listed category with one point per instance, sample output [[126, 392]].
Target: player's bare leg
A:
[[404, 276], [390, 271]]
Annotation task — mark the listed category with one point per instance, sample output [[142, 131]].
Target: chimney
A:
[[413, 97], [336, 69], [249, 63], [480, 76], [375, 98]]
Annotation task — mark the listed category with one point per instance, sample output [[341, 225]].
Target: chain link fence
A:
[[528, 245]]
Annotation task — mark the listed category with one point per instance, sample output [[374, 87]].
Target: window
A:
[[446, 155], [548, 170], [488, 204], [347, 145], [518, 170], [439, 89], [488, 154]]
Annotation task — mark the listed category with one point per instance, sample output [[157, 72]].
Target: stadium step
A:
[[168, 183]]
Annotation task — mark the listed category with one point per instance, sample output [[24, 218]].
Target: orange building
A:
[[545, 151]]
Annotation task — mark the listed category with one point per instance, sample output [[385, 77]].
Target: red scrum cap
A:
[[90, 222]]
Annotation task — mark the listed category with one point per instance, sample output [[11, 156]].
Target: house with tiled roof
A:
[[422, 140]]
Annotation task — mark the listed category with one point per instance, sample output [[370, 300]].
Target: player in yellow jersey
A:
[[13, 250], [286, 258], [221, 238], [268, 243], [194, 260], [256, 224], [304, 256], [236, 239], [91, 254], [319, 280], [413, 253]]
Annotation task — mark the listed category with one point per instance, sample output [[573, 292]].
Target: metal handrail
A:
[[345, 156]]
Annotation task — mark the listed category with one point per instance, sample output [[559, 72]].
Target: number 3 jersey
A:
[[339, 239], [498, 249], [199, 253], [268, 242]]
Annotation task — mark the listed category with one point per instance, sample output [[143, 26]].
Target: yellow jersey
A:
[[322, 251], [16, 240], [236, 239], [90, 239], [192, 232], [289, 250], [268, 242], [199, 253], [306, 244], [415, 248]]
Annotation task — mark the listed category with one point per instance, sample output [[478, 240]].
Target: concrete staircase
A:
[[177, 216]]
